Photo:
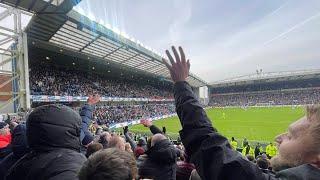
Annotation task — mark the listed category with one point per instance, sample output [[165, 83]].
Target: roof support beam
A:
[[141, 63], [136, 55], [113, 51], [7, 60], [152, 67], [88, 44], [5, 13], [45, 6], [5, 40]]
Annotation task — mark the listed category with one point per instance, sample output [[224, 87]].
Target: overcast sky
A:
[[222, 38]]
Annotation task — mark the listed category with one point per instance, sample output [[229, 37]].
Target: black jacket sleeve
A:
[[210, 152], [86, 116], [154, 129], [130, 141]]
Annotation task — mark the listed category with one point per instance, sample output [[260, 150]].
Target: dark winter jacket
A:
[[160, 162], [211, 152], [19, 148], [53, 135], [86, 116]]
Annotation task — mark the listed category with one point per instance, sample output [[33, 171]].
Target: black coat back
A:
[[53, 135], [160, 163]]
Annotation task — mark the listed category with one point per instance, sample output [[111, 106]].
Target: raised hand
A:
[[146, 123], [125, 130], [93, 99], [179, 68]]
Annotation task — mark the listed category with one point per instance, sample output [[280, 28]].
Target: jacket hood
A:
[[163, 152], [19, 141], [53, 126]]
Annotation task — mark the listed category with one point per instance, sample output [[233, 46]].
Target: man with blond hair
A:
[[213, 156], [117, 142]]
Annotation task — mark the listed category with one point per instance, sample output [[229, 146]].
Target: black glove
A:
[[125, 130], [164, 130]]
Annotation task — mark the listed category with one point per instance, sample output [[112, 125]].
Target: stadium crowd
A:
[[288, 97], [70, 82], [55, 143], [108, 115]]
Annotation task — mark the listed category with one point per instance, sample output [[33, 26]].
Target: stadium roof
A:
[[268, 77], [43, 6], [56, 23]]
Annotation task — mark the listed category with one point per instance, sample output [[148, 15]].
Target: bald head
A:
[[157, 138]]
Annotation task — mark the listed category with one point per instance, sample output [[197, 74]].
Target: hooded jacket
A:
[[53, 135], [160, 162]]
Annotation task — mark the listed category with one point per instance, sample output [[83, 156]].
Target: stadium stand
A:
[[108, 115], [296, 89], [52, 81]]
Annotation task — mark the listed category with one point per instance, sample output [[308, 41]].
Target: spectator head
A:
[[264, 156], [262, 163], [232, 139], [111, 164], [301, 144], [142, 141], [117, 142], [157, 138], [4, 128], [104, 139], [53, 126], [92, 148], [99, 131], [250, 158]]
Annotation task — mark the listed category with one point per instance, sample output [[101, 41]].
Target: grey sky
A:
[[222, 38]]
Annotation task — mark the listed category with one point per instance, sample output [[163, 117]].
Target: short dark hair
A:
[[92, 148], [262, 163], [250, 157], [111, 164]]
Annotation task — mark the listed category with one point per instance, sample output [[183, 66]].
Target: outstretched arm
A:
[[86, 115], [154, 129], [129, 139], [210, 152]]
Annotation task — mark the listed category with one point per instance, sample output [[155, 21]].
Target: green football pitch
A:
[[255, 123]]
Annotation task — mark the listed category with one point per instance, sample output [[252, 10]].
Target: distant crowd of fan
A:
[[288, 97], [65, 82], [108, 115]]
